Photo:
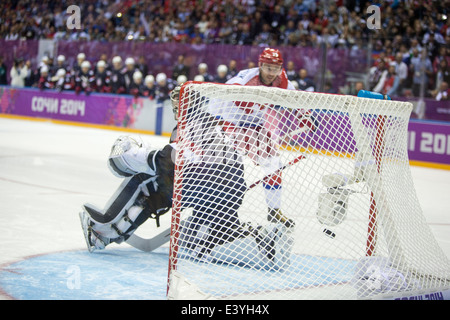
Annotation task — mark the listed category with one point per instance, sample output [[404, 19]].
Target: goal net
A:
[[283, 194]]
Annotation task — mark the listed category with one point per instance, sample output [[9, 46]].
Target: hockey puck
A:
[[329, 233]]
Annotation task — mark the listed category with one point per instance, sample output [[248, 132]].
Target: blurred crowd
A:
[[252, 22], [411, 50]]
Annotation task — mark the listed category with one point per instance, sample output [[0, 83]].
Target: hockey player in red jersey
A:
[[269, 72], [253, 125]]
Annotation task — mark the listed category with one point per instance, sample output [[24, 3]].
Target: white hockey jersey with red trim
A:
[[244, 114]]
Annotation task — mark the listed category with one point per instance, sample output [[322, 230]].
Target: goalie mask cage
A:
[[349, 224]]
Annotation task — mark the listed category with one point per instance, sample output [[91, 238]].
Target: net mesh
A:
[[284, 194]]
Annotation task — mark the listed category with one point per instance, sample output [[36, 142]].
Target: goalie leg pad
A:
[[123, 198], [125, 211], [120, 229]]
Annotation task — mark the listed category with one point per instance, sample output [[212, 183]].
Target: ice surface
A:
[[47, 171]]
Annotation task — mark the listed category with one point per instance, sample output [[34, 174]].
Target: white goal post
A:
[[284, 194]]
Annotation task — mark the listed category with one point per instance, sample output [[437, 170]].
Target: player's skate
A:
[[94, 241], [275, 216], [262, 247]]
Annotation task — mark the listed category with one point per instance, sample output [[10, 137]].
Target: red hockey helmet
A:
[[271, 56]]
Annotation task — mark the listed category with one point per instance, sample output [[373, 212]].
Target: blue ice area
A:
[[49, 171], [111, 274], [129, 274], [304, 271]]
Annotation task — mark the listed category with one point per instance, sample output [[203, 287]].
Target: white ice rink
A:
[[47, 171]]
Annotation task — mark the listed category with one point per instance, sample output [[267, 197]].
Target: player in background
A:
[[85, 79], [251, 124], [102, 78], [117, 81]]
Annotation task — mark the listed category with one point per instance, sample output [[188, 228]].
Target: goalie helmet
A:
[[271, 56]]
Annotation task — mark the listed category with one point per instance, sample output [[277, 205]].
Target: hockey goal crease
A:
[[335, 168]]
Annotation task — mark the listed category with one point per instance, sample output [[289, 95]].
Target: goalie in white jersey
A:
[[250, 124]]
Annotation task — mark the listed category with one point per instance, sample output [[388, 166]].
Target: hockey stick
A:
[[267, 177], [148, 245]]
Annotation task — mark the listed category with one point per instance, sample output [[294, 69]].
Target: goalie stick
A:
[[148, 245]]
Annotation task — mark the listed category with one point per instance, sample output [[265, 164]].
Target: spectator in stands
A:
[[18, 73], [3, 72], [442, 74], [304, 82], [142, 65], [180, 68], [328, 88], [401, 69], [354, 89], [288, 33], [391, 82], [442, 93], [291, 71], [30, 78], [232, 70], [421, 69], [377, 75], [442, 55]]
